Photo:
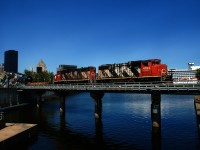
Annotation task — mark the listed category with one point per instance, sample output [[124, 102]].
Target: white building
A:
[[185, 76]]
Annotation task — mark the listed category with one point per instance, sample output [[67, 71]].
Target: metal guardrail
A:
[[123, 87]]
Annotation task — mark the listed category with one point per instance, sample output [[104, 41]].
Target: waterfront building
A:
[[11, 61], [185, 75]]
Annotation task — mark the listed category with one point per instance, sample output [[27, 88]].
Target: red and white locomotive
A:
[[141, 70], [132, 71]]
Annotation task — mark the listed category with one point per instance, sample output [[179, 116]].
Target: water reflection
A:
[[156, 138], [98, 125], [125, 123]]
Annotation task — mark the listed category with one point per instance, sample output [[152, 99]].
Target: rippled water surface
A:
[[126, 123]]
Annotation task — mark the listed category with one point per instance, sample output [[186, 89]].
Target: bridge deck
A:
[[120, 87]]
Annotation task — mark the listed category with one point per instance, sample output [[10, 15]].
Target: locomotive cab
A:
[[153, 68]]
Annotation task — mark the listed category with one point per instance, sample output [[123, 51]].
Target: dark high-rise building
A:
[[11, 61]]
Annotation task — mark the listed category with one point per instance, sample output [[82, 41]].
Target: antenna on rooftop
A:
[[190, 65]]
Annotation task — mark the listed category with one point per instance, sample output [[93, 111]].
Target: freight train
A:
[[132, 71]]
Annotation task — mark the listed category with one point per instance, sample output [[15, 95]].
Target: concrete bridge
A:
[[98, 90]]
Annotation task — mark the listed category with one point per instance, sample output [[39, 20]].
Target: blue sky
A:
[[96, 32]]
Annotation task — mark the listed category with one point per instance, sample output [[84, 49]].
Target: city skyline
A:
[[92, 33]]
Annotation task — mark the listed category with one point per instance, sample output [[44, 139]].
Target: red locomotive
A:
[[132, 71], [141, 70]]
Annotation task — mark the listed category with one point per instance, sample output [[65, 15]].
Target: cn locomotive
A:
[[132, 71], [72, 74]]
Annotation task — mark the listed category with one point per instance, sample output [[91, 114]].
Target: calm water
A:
[[126, 123]]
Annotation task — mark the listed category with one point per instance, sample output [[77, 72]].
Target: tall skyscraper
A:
[[11, 61]]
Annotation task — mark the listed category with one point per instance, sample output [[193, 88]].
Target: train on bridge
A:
[[132, 71]]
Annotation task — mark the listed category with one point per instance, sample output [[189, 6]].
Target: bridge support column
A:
[[39, 98], [197, 111], [62, 96], [39, 101], [62, 104], [156, 120], [155, 112], [97, 96], [2, 120]]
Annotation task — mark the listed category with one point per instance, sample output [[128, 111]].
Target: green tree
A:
[[198, 74], [40, 77]]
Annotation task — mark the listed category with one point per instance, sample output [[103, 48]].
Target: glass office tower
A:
[[11, 61]]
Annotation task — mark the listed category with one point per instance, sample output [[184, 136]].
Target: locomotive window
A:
[[154, 63], [145, 63]]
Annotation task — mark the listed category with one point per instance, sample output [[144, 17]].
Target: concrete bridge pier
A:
[[62, 104], [2, 120], [156, 112], [97, 96], [62, 96], [39, 97], [23, 96], [156, 120]]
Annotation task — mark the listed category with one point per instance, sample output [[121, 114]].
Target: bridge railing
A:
[[116, 86]]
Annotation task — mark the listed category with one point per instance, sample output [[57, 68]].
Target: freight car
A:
[[72, 74], [132, 71]]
